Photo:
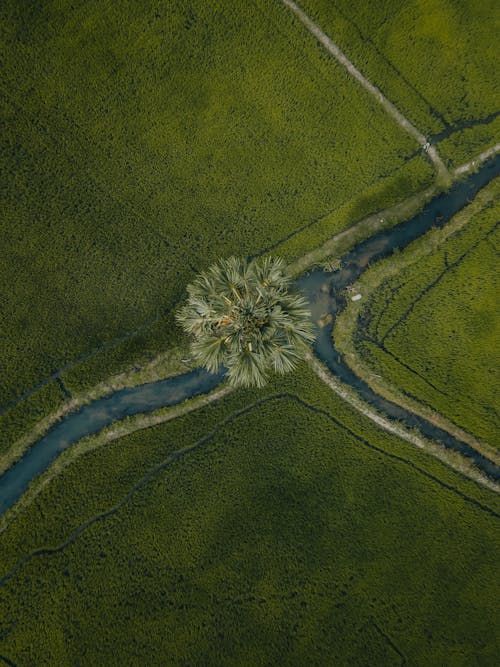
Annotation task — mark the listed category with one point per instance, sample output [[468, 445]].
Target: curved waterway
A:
[[325, 293], [92, 418]]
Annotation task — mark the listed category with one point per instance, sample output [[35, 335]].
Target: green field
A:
[[140, 143], [435, 59], [432, 329], [297, 533]]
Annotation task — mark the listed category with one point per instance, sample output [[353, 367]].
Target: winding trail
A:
[[389, 107]]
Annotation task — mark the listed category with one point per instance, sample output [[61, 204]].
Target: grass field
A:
[[140, 143], [432, 329], [435, 59], [296, 534]]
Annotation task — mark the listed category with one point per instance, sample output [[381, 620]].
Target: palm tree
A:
[[242, 316]]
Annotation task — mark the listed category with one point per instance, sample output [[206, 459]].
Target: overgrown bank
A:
[[421, 336]]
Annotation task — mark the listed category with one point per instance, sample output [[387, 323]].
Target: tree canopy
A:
[[242, 316]]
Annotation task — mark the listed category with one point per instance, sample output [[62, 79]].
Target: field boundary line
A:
[[372, 223], [448, 267], [388, 61], [345, 325], [142, 481], [343, 239], [179, 454], [109, 434], [56, 375], [389, 107], [164, 365], [389, 642], [396, 429]]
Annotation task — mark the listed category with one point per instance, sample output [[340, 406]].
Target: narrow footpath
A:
[[389, 107]]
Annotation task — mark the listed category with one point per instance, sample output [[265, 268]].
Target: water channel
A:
[[326, 294]]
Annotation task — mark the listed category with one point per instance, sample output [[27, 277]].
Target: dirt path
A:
[[373, 90], [337, 244], [107, 435], [468, 166], [347, 321], [396, 429]]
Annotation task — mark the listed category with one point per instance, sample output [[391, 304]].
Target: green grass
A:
[[435, 59], [285, 538], [432, 329], [140, 143]]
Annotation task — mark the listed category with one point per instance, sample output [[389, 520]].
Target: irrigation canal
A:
[[326, 294]]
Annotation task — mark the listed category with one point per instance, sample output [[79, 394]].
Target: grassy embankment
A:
[[436, 60], [426, 333], [140, 144], [295, 532]]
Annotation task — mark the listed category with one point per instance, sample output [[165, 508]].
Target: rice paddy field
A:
[[296, 533], [142, 141], [435, 59], [432, 330]]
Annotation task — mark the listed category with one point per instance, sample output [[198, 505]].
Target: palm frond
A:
[[243, 316], [246, 369], [209, 351]]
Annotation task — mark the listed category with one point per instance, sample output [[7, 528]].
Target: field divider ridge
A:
[[457, 464], [390, 108], [345, 324], [179, 454]]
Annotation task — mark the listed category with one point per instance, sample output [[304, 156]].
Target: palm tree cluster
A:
[[242, 316]]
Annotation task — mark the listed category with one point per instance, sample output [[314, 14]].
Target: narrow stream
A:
[[94, 417], [325, 293]]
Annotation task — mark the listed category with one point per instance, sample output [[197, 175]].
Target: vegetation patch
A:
[[140, 144], [434, 59], [289, 534], [430, 329]]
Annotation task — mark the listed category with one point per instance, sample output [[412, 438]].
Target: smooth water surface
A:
[[325, 292], [94, 417]]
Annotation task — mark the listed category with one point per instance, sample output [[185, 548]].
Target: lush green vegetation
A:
[[244, 317], [139, 144], [435, 59], [287, 537], [432, 329]]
